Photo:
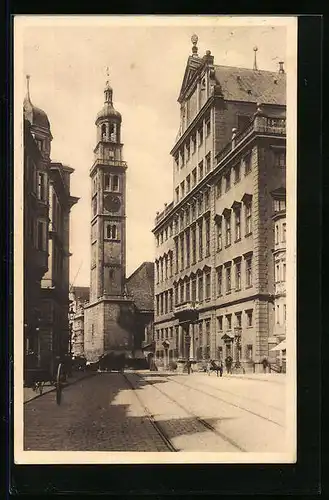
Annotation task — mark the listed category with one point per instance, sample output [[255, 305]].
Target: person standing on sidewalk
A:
[[265, 364], [208, 367], [221, 368]]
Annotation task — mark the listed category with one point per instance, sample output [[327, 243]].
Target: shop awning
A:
[[280, 347]]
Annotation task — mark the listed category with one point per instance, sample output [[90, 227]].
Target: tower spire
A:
[[108, 91], [255, 58]]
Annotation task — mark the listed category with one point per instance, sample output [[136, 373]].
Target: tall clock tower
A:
[[106, 325]]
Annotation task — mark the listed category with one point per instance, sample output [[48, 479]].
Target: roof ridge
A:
[[249, 69]]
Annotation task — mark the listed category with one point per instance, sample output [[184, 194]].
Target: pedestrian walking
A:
[[228, 363], [208, 367], [221, 368], [265, 364]]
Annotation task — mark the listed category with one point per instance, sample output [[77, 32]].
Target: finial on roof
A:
[[281, 68], [194, 40], [255, 58]]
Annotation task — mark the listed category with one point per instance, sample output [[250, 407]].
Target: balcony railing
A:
[[109, 161], [161, 215], [261, 124], [186, 307]]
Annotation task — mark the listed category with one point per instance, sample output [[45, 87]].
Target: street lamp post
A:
[[188, 344]]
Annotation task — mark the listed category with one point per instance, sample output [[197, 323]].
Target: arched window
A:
[[115, 183], [103, 131], [112, 232]]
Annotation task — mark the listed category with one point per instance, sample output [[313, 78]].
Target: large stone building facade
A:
[[216, 291], [47, 205]]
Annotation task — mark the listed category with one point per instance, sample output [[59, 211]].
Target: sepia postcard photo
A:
[[155, 239]]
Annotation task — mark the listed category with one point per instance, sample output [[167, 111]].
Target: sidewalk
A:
[[30, 394]]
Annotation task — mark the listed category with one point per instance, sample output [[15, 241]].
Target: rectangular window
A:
[[176, 160], [170, 264], [170, 300], [278, 314], [237, 173], [279, 205], [207, 200], [42, 185], [249, 271], [284, 271], [182, 292], [207, 237], [227, 181], [208, 285], [187, 235], [194, 289], [228, 279], [182, 189], [247, 164], [220, 323], [176, 256], [193, 244], [188, 291], [248, 219], [106, 182], [219, 188], [284, 230], [176, 295], [157, 305], [200, 283], [193, 144], [276, 234], [193, 211], [237, 224], [181, 159], [177, 194], [219, 281], [228, 230], [194, 177], [200, 170], [182, 252], [238, 276], [208, 127], [238, 319], [188, 184], [219, 235], [200, 240], [208, 163], [200, 204], [115, 183], [200, 133], [229, 321], [249, 317], [187, 152], [284, 312], [280, 159]]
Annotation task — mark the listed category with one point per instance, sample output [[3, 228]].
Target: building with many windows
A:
[[220, 244], [47, 204]]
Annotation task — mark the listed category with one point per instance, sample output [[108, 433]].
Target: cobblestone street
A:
[[144, 411]]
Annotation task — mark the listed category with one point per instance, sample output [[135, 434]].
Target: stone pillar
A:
[[180, 342], [191, 333]]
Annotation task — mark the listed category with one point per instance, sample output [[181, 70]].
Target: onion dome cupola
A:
[[108, 120], [40, 126]]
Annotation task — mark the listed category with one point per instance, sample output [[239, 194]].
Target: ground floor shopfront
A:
[[240, 331]]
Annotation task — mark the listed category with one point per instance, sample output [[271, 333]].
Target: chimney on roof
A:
[[208, 58], [255, 59], [281, 68]]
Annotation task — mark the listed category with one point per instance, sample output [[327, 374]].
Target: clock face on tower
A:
[[112, 203]]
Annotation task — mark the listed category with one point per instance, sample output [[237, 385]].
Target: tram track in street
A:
[[224, 401], [162, 434], [200, 420]]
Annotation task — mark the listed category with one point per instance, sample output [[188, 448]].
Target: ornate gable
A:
[[193, 64]]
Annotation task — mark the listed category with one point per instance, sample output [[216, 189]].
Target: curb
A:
[[54, 388]]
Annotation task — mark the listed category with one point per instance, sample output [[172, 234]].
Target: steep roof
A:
[[249, 85], [140, 285]]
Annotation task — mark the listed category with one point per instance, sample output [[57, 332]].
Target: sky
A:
[[67, 65]]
